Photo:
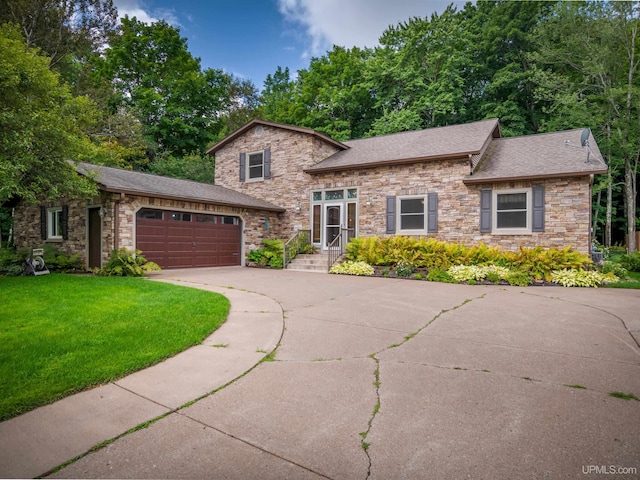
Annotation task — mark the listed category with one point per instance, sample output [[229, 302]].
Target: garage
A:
[[176, 239]]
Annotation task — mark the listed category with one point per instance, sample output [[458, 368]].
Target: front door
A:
[[94, 235], [332, 222]]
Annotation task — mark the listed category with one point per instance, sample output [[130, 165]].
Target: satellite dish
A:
[[584, 138]]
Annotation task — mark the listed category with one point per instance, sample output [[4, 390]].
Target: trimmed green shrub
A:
[[518, 279], [269, 255], [11, 262], [352, 268], [631, 261], [124, 263], [57, 261], [437, 275]]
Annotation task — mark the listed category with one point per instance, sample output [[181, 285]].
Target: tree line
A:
[[76, 83]]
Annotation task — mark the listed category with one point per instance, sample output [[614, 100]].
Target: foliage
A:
[[518, 279], [437, 275], [11, 262], [405, 269], [57, 261], [462, 273], [199, 168], [631, 261], [433, 254], [41, 124], [352, 268], [124, 263], [581, 278], [270, 254], [309, 248], [65, 333], [67, 32], [153, 72], [539, 262]]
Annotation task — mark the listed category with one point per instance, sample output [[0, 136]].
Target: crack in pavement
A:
[[377, 383]]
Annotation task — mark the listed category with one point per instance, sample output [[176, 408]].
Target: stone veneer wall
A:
[[288, 187], [567, 209], [27, 222], [26, 226]]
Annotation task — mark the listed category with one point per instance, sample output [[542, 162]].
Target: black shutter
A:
[[538, 209], [43, 223], [391, 214], [485, 211], [267, 163], [432, 212], [65, 222], [243, 157]]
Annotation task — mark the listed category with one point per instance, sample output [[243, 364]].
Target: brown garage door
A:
[[181, 239]]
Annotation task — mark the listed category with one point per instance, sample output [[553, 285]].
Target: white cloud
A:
[[354, 22], [138, 9]]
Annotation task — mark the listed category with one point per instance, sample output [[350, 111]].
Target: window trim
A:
[[494, 212], [54, 233], [248, 167], [425, 215]]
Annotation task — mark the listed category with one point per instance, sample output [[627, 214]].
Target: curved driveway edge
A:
[[42, 439]]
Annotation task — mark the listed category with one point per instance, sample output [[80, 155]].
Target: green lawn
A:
[[60, 334], [632, 282]]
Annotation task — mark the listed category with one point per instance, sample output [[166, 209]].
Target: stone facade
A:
[[118, 222], [566, 216], [288, 187], [567, 200], [567, 203]]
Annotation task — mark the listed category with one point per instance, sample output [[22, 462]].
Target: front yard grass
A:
[[60, 334]]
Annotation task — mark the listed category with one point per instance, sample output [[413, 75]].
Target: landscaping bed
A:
[[429, 259]]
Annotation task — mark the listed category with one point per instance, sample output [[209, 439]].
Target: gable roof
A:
[[556, 154], [255, 122], [454, 141], [137, 183]]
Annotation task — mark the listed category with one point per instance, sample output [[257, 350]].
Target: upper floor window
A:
[[255, 166]]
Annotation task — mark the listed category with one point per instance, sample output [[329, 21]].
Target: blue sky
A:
[[251, 38]]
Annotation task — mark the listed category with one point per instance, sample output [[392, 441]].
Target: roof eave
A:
[[471, 180], [383, 163], [232, 136], [190, 199]]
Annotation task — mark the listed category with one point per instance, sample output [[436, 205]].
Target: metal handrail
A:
[[294, 245], [337, 246]]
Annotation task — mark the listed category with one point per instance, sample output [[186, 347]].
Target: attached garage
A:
[[184, 239]]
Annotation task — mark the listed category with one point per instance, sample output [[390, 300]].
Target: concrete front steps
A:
[[314, 262]]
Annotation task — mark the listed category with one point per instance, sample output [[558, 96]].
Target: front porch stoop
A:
[[313, 262]]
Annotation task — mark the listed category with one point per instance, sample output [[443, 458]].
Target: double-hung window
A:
[[411, 214], [512, 213], [54, 223], [255, 166]]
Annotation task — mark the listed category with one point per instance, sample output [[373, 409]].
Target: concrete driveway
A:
[[385, 379]]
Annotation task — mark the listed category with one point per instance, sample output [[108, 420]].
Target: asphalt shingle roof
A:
[[538, 156], [138, 183], [433, 143]]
